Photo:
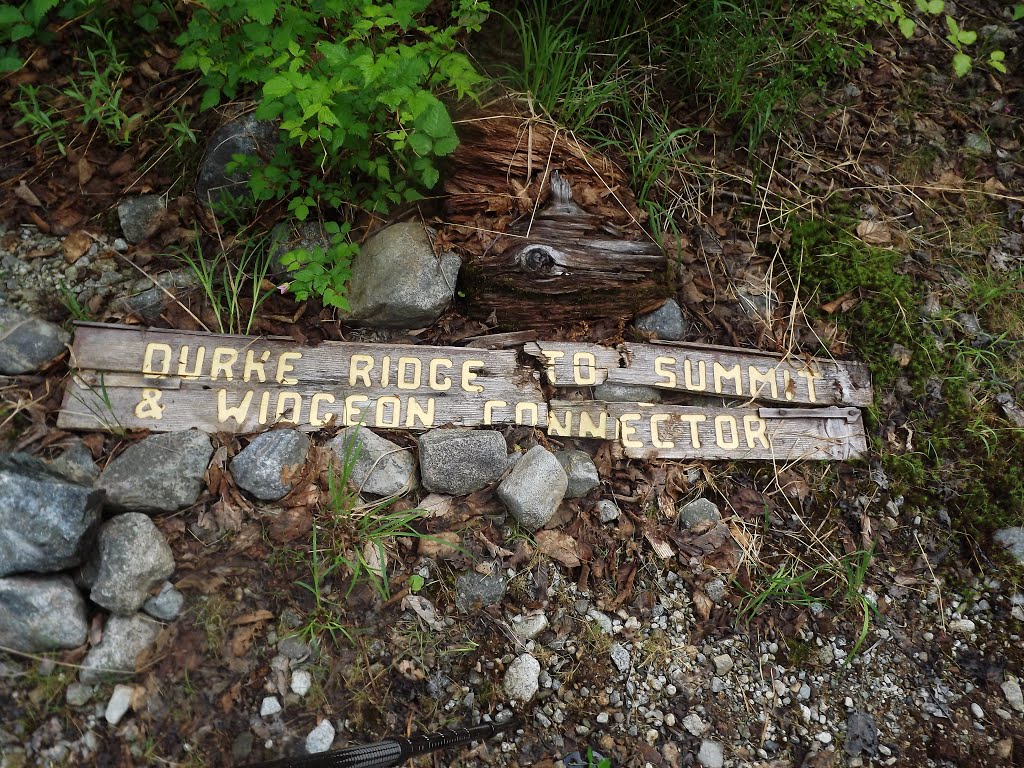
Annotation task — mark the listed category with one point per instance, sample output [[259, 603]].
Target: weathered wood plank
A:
[[130, 378], [707, 370], [689, 432]]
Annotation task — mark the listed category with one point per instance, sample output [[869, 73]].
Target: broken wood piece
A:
[[130, 378], [707, 370], [690, 432]]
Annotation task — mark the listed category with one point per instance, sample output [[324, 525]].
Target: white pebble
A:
[[120, 701], [824, 737], [977, 711], [270, 706], [320, 738], [301, 682], [963, 626]]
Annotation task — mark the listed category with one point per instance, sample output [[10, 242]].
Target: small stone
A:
[[534, 488], [522, 678], [824, 737], [167, 605], [41, 613], [124, 638], [78, 694], [698, 511], [398, 282], [268, 467], [302, 681], [963, 626], [131, 556], [320, 738], [1014, 695], [461, 461], [476, 590], [620, 657], [269, 706], [531, 625], [602, 718], [293, 648], [160, 473], [693, 724], [978, 142], [377, 466], [581, 473], [76, 464], [665, 323], [607, 512], [120, 702], [711, 754], [1013, 540], [243, 136], [723, 664], [120, 244], [861, 734], [977, 711], [601, 619], [141, 216], [626, 393], [804, 693], [716, 590], [46, 522]]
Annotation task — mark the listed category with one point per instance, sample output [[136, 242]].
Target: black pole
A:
[[392, 751]]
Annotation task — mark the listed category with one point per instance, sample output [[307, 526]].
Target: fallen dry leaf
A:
[[874, 233], [440, 545], [75, 245], [252, 618], [559, 546], [241, 640], [843, 303], [85, 171]]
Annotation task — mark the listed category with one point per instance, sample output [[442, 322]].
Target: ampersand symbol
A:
[[149, 406]]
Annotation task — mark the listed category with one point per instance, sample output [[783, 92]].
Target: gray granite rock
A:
[[27, 343], [626, 393], [534, 488], [259, 468], [124, 638], [581, 473], [46, 522], [305, 235], [607, 512], [377, 466], [698, 511], [1013, 540], [665, 323], [861, 734], [75, 464], [398, 282], [141, 216], [476, 590], [243, 136], [461, 461], [160, 473], [167, 605], [148, 298], [78, 694], [41, 613], [131, 557], [711, 754], [522, 678], [321, 738]]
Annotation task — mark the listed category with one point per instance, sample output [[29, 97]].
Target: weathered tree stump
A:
[[535, 257]]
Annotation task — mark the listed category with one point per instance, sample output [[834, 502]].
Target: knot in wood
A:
[[541, 259]]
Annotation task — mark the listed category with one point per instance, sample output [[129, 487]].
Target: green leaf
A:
[[10, 63], [416, 583], [261, 11], [420, 143], [961, 64], [435, 121], [998, 66], [20, 32], [997, 56], [276, 87], [953, 27], [429, 177], [967, 37], [210, 99], [446, 145], [935, 7], [907, 27], [1018, 12], [9, 15]]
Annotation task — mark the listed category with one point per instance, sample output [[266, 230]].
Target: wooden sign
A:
[[688, 432], [127, 378], [130, 378], [707, 370]]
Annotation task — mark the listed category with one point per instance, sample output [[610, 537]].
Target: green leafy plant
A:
[[323, 272], [97, 89], [46, 124]]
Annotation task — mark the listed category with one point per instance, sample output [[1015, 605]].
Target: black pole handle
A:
[[393, 751]]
